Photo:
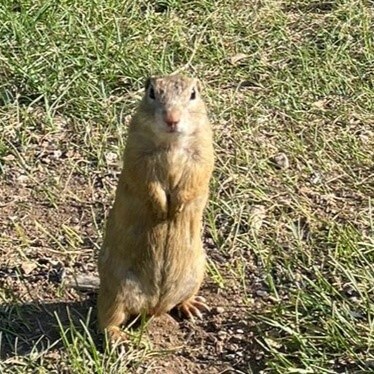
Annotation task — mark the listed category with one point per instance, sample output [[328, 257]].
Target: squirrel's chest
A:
[[176, 163], [177, 159]]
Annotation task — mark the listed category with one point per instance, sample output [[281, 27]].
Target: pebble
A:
[[316, 177], [261, 293], [281, 161], [22, 178], [220, 310]]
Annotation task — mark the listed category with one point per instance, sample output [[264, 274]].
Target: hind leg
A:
[[112, 314], [193, 305]]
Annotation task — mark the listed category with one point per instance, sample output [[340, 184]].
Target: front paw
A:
[[161, 215], [158, 202], [177, 204], [160, 208]]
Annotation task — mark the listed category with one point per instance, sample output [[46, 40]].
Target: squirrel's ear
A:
[[199, 85], [147, 83]]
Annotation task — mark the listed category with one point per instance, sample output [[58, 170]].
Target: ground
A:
[[289, 226]]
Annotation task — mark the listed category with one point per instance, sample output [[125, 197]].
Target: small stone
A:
[[22, 178], [9, 157], [354, 299], [28, 267], [219, 309], [231, 347], [74, 219], [111, 157], [261, 293], [320, 104], [281, 161], [238, 337], [315, 177], [57, 154]]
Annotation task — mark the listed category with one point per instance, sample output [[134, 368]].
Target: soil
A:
[[47, 208]]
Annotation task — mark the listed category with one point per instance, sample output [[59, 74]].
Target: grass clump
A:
[[290, 244]]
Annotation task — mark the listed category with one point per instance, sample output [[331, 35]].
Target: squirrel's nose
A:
[[172, 118]]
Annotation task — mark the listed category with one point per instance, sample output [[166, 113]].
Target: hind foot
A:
[[117, 337], [193, 307]]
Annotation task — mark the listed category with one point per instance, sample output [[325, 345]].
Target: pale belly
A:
[[171, 267]]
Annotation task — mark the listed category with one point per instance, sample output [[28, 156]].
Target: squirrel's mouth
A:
[[172, 129]]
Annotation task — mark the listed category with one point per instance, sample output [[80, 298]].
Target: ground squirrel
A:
[[152, 258]]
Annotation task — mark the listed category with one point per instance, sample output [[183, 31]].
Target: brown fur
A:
[[152, 257]]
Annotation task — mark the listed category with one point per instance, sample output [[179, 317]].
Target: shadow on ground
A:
[[223, 341], [37, 326]]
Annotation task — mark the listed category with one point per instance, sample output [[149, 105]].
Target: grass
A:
[[291, 248]]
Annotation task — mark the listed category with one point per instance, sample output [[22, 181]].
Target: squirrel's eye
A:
[[152, 93], [193, 94]]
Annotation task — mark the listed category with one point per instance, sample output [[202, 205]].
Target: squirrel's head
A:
[[173, 104]]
